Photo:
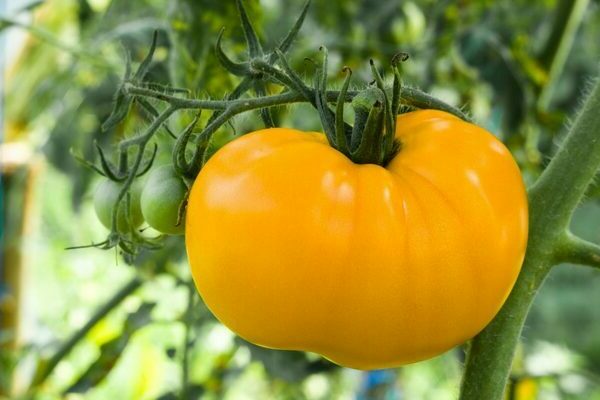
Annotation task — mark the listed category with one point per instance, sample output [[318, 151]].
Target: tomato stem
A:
[[368, 137]]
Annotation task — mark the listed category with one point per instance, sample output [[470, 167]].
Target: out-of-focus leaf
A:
[[111, 351]]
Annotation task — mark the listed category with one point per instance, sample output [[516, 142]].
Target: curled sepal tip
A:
[[399, 58], [369, 149], [235, 68], [180, 163], [145, 64], [107, 166], [148, 165]]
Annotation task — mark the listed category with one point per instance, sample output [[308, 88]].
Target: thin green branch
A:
[[100, 313], [563, 183], [579, 251], [409, 96], [567, 19]]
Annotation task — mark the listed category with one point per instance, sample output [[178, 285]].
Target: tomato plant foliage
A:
[[491, 58]]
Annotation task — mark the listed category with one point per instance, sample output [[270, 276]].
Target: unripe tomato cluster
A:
[[156, 200]]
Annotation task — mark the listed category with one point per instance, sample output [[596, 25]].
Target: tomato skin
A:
[[162, 195], [293, 246], [106, 195]]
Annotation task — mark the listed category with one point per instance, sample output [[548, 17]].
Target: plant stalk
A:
[[567, 19], [410, 97]]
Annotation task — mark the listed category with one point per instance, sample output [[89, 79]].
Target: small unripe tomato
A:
[[106, 195], [161, 199], [294, 246]]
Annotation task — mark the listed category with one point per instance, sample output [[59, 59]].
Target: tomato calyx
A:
[[372, 138]]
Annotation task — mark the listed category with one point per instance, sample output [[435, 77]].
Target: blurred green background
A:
[[519, 68]]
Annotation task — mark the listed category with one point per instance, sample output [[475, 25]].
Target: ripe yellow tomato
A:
[[293, 246]]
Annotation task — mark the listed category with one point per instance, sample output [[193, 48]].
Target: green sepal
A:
[[362, 104], [148, 165], [180, 163], [287, 41], [254, 47], [145, 64], [325, 113], [369, 149], [235, 68], [397, 85], [85, 162], [107, 167], [389, 125], [122, 104], [340, 129], [296, 82]]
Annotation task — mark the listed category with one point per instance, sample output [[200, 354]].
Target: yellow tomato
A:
[[293, 246]]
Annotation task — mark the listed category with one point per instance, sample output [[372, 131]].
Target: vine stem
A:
[[552, 200], [100, 313], [409, 96], [579, 251]]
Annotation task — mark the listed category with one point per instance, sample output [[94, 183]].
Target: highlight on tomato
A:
[[162, 197], [293, 245]]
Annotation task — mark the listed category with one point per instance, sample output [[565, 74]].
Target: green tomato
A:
[[161, 198], [105, 197]]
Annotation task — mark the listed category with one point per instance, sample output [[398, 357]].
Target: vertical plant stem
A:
[[552, 201], [567, 18]]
